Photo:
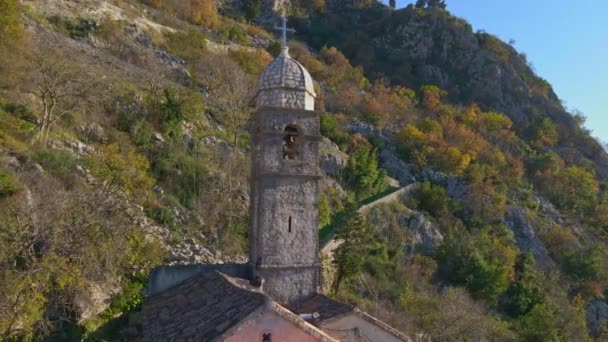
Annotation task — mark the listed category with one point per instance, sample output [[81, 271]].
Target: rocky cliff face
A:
[[597, 318]]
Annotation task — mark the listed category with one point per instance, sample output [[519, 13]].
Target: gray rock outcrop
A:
[[526, 238], [331, 159], [597, 317]]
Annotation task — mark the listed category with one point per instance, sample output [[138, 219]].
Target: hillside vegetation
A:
[[124, 145]]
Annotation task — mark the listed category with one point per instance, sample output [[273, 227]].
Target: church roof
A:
[[206, 305], [285, 73], [326, 307], [209, 306], [330, 310]]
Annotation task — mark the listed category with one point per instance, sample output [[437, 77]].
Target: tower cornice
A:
[[281, 110]]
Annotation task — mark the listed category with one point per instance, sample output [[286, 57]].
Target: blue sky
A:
[[566, 42]]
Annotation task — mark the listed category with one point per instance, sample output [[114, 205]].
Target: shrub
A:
[[164, 216], [274, 49], [253, 62], [481, 262], [252, 9], [142, 133], [59, 163], [588, 264], [182, 174], [331, 129], [324, 211], [432, 199], [120, 170], [73, 29], [574, 189], [128, 300], [11, 28], [200, 12], [110, 29], [235, 33], [172, 114], [20, 111], [8, 184], [431, 96], [190, 45]]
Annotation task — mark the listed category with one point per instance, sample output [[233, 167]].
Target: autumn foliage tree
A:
[[201, 12], [573, 188]]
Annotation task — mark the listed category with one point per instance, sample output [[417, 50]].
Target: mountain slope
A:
[[149, 156], [418, 46]]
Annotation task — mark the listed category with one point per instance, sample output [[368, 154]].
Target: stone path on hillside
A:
[[389, 198], [330, 246]]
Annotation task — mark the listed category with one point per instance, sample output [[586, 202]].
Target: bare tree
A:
[[230, 87], [59, 85]]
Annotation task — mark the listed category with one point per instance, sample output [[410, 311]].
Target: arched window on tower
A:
[[291, 143]]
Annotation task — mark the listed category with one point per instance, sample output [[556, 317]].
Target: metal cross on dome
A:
[[284, 29]]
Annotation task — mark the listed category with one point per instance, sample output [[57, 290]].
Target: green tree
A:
[[540, 324], [274, 49], [481, 261], [356, 234], [393, 3], [252, 9], [544, 133], [324, 211], [588, 264], [431, 3], [173, 114], [433, 199], [526, 292], [362, 174]]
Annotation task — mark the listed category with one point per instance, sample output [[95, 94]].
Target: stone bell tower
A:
[[284, 239]]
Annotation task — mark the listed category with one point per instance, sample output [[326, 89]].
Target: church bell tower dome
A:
[[285, 83], [285, 182]]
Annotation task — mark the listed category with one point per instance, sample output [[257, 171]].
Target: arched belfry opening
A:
[[291, 143]]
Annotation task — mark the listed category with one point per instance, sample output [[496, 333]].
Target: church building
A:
[[274, 296]]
